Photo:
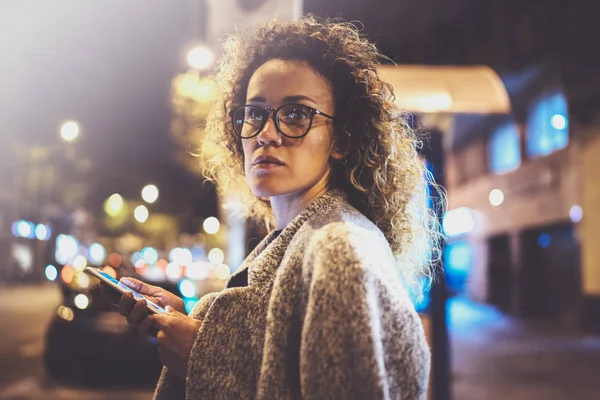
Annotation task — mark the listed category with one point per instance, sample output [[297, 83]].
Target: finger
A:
[[146, 325], [126, 304], [138, 286], [161, 321], [138, 314], [171, 312]]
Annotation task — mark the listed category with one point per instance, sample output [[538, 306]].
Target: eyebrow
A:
[[287, 99]]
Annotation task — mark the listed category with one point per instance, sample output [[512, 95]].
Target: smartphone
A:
[[114, 284]]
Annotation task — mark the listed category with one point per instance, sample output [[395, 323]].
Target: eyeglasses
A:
[[291, 120]]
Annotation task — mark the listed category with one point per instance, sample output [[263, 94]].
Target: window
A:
[[504, 149], [547, 126]]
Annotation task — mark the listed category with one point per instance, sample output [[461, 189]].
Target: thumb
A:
[[136, 285], [174, 313]]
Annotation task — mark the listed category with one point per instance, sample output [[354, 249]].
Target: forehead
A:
[[277, 79]]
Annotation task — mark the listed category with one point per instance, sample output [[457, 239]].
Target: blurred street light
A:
[[150, 193], [69, 131], [141, 214], [114, 205], [496, 197], [201, 58], [211, 225]]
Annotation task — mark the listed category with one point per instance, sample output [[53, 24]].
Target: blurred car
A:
[[89, 342]]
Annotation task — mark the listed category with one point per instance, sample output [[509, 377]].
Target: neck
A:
[[286, 207]]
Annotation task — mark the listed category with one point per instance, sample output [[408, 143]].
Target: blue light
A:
[[150, 255], [51, 272], [25, 229], [547, 126], [187, 288], [505, 149], [190, 304], [96, 253], [459, 259], [42, 232], [544, 240]]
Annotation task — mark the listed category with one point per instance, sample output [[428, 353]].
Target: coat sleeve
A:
[[361, 338], [170, 386]]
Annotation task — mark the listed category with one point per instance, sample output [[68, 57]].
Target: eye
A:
[[253, 114], [294, 114]]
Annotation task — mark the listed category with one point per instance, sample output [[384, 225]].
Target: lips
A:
[[265, 159]]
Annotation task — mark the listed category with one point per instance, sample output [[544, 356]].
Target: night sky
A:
[[108, 65]]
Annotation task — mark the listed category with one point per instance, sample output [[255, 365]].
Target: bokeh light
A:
[[576, 213], [110, 270], [114, 205], [82, 280], [150, 255], [141, 214], [173, 271], [67, 273], [150, 193], [187, 288], [51, 272], [216, 256], [115, 260], [496, 197], [222, 271], [69, 131], [42, 232], [211, 225], [201, 58], [96, 253], [81, 301], [66, 313]]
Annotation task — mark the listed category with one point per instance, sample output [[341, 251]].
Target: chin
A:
[[270, 187]]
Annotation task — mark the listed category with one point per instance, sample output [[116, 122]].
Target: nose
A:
[[269, 134]]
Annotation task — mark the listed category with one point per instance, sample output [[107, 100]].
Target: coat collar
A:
[[262, 263]]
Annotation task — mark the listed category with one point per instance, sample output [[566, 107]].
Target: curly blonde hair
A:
[[381, 172]]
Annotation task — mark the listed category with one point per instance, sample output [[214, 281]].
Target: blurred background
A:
[[100, 107]]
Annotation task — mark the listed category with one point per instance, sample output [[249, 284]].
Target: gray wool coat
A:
[[324, 316]]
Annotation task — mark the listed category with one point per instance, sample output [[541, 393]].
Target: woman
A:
[[307, 134]]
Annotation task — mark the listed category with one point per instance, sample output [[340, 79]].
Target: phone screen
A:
[[152, 305]]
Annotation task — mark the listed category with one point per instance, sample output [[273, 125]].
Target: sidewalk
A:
[[496, 357]]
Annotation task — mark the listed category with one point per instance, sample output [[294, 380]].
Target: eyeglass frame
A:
[[272, 112]]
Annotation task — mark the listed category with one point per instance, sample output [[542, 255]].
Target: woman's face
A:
[[299, 163]]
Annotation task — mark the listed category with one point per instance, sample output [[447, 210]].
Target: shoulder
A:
[[345, 247]]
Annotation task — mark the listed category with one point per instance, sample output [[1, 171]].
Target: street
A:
[[27, 311], [493, 356]]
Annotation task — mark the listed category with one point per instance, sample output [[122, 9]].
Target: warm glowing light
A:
[[114, 205], [222, 271], [69, 131], [150, 255], [201, 58], [173, 271], [576, 213], [110, 270], [67, 273], [66, 313], [42, 232], [187, 288], [150, 193], [115, 260], [141, 214], [216, 256], [82, 280], [162, 263], [211, 225], [496, 197], [435, 102], [81, 301], [51, 272], [559, 121], [79, 263], [458, 221]]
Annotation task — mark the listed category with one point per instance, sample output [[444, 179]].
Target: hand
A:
[[176, 336], [135, 310]]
